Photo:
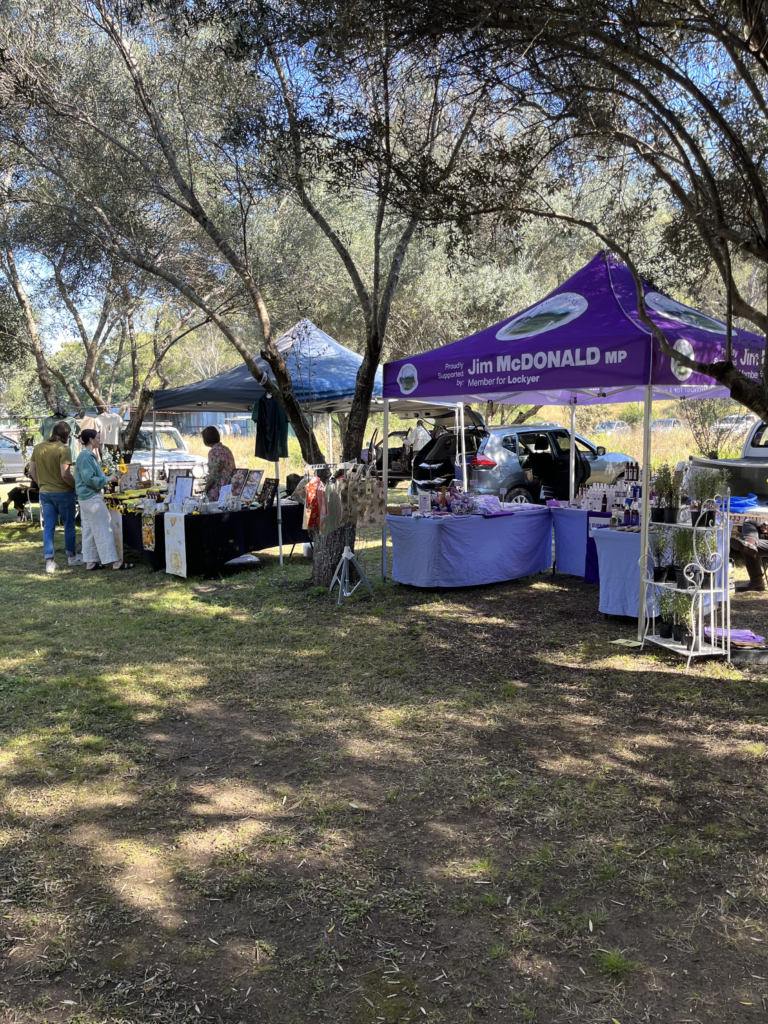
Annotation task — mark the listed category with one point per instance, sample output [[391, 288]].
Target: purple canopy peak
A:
[[583, 343]]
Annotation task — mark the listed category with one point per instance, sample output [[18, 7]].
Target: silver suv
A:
[[521, 459]]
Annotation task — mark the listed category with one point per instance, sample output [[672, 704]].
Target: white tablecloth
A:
[[465, 551]]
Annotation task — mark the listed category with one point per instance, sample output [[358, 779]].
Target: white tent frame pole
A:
[[572, 457], [645, 510], [330, 438], [463, 446], [279, 514], [385, 486], [154, 441]]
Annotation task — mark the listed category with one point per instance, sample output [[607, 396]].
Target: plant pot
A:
[[677, 632], [706, 518], [670, 515], [657, 515], [665, 630], [695, 517], [686, 639], [671, 574], [660, 573], [682, 581]]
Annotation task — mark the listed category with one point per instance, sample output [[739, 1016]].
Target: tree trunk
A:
[[327, 554], [34, 344], [361, 404], [524, 415], [137, 418]]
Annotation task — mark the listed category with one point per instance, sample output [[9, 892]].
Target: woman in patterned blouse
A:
[[221, 463]]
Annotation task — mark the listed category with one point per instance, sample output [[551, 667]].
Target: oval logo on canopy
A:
[[674, 310], [408, 378], [685, 348], [554, 312]]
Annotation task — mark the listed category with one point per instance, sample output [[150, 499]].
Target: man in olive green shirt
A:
[[50, 470]]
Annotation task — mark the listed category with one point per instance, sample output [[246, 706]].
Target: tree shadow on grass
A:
[[310, 804]]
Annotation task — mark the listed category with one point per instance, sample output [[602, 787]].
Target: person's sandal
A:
[[123, 565], [94, 567]]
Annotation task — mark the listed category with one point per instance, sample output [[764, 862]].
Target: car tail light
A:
[[481, 462]]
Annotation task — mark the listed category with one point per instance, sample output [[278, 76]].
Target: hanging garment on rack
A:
[[315, 507], [300, 490], [110, 424], [375, 505], [271, 429], [332, 519]]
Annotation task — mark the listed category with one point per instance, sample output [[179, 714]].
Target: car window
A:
[[142, 441], [510, 443], [760, 438], [530, 443], [6, 443], [170, 441]]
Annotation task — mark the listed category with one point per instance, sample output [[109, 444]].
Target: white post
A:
[[385, 485], [645, 509], [279, 514], [572, 460], [330, 438], [154, 441], [463, 446]]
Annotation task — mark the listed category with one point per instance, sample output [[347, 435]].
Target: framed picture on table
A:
[[182, 488], [173, 476], [251, 485], [238, 480], [268, 492]]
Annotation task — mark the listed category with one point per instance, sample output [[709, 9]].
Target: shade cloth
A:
[[572, 539], [212, 540], [584, 342], [466, 551]]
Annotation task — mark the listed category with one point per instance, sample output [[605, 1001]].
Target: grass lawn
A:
[[228, 800]]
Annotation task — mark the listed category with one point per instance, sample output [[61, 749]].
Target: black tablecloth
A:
[[212, 540]]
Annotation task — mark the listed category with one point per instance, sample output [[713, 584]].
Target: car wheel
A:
[[518, 496]]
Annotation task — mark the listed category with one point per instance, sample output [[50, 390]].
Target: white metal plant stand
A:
[[708, 576]]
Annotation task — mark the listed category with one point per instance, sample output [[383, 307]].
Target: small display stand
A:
[[704, 580]]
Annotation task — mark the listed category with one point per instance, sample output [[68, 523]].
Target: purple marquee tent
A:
[[583, 344]]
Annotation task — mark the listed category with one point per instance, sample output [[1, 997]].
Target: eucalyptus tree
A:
[[123, 124], [670, 92]]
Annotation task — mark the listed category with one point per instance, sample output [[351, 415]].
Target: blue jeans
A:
[[55, 505]]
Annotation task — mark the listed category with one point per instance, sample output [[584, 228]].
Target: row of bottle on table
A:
[[621, 499]]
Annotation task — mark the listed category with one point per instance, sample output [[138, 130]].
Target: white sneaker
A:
[[76, 560], [51, 566]]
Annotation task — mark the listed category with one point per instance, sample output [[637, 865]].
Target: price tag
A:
[[502, 492]]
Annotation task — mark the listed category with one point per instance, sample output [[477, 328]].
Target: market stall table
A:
[[465, 551], [212, 540], [618, 552], [575, 553]]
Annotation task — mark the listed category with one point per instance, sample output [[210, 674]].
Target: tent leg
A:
[[572, 458], [154, 441], [385, 485], [463, 447], [645, 509], [279, 514], [330, 438]]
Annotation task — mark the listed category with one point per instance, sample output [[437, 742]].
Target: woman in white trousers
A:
[[99, 548]]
